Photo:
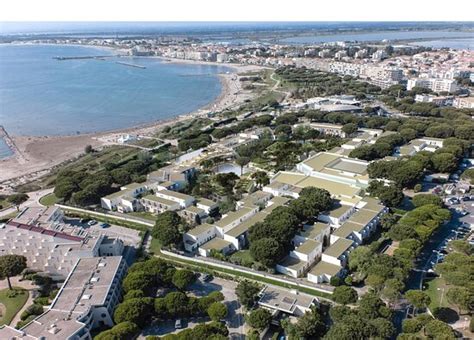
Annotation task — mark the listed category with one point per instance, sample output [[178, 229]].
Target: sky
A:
[[237, 10]]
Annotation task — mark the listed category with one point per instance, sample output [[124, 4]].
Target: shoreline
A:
[[42, 153]]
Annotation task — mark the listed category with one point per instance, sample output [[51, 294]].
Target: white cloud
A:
[[237, 10]]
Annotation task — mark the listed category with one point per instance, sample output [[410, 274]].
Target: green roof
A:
[[338, 248], [174, 194], [200, 229], [216, 243], [132, 186], [339, 210], [325, 268], [372, 204], [308, 246], [206, 202], [116, 194]]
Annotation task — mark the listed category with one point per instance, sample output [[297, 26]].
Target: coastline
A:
[[41, 153]]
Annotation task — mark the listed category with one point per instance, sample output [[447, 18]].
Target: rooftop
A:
[[206, 202], [372, 204], [245, 225], [308, 246], [216, 243], [292, 263], [160, 200], [363, 216], [339, 210], [314, 230], [325, 268], [347, 228], [285, 300], [200, 229], [233, 216], [175, 194], [338, 248]]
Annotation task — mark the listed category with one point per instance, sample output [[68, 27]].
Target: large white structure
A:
[[85, 301], [434, 84]]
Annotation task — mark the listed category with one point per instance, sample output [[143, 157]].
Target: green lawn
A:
[[4, 203], [110, 220], [12, 304], [143, 214], [49, 200], [438, 296], [244, 256], [155, 246]]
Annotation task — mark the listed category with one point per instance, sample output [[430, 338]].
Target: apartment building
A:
[[86, 301], [464, 103], [434, 84]]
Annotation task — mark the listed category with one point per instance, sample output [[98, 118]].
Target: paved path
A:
[[33, 201], [28, 285]]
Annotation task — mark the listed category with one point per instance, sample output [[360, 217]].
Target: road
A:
[[33, 201]]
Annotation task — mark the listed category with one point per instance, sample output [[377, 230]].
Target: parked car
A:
[[91, 222], [104, 225], [178, 324]]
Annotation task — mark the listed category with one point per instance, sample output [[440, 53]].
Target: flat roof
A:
[[134, 185], [200, 229], [194, 209], [338, 210], [174, 194], [245, 225], [285, 300], [232, 216], [320, 160], [308, 246], [292, 263], [348, 165], [334, 188], [116, 194], [325, 268], [314, 230], [372, 204], [160, 200], [216, 243], [287, 177], [347, 228], [338, 248], [363, 216], [206, 202]]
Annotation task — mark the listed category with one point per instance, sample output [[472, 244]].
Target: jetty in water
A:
[[84, 57], [129, 64], [11, 144]]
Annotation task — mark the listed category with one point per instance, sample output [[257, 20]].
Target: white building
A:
[[300, 259], [464, 102], [86, 301], [434, 84], [338, 252]]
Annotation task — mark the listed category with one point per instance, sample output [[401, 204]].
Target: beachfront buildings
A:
[[86, 301], [434, 84]]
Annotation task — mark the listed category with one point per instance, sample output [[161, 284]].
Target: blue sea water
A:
[[43, 96], [5, 150], [375, 36]]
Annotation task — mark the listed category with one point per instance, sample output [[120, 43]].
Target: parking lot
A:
[[234, 320], [130, 237]]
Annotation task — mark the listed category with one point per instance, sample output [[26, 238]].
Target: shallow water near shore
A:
[[5, 150], [40, 95]]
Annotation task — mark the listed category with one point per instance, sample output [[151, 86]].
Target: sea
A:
[[40, 95], [442, 37], [5, 150]]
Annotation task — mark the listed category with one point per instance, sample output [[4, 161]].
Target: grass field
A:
[[155, 246], [49, 200], [437, 289], [244, 257], [11, 305], [143, 214]]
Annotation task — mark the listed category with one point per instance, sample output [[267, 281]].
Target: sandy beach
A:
[[40, 154]]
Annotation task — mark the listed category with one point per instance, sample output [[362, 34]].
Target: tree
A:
[[462, 246], [444, 162], [166, 228], [261, 178], [183, 278], [123, 330], [439, 330], [359, 258], [88, 149], [177, 304], [349, 128], [411, 325], [242, 161], [417, 298], [139, 281], [382, 328], [11, 265], [461, 297], [217, 311], [17, 199], [344, 295], [310, 325], [134, 294], [319, 198], [247, 292], [259, 319], [137, 311], [267, 251], [424, 199]]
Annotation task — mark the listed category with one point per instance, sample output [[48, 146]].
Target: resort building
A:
[[86, 301], [289, 302], [338, 252]]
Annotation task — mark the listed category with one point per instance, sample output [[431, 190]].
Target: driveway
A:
[[33, 201]]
